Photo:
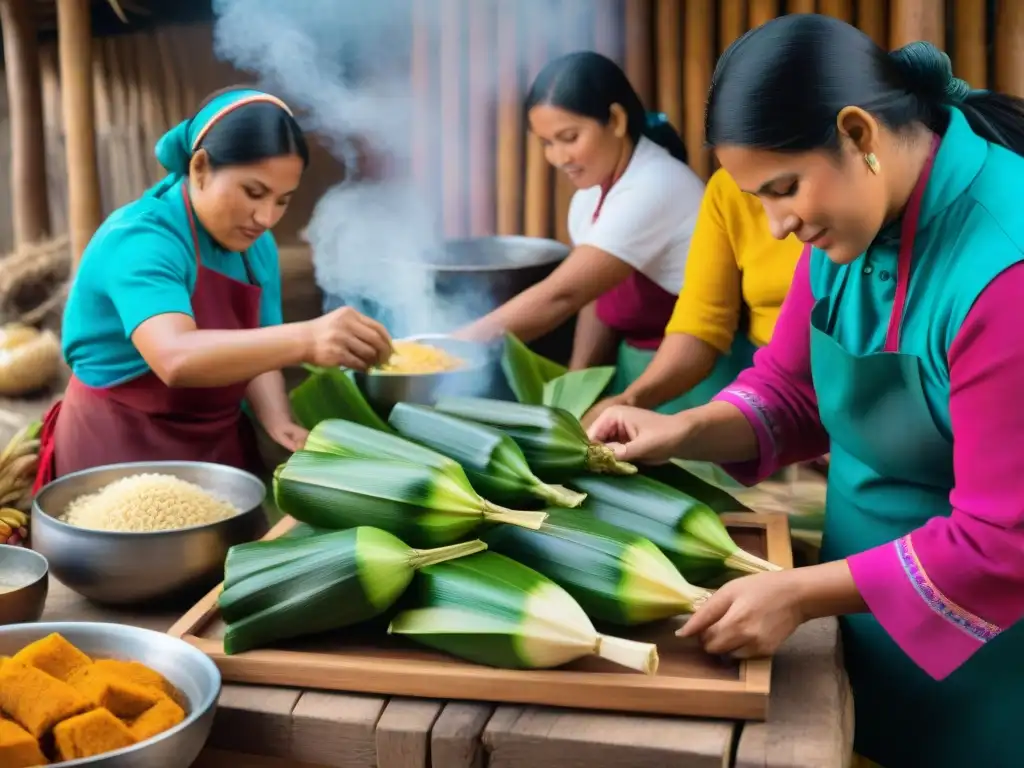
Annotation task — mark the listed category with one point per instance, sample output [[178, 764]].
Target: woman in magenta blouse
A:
[[901, 348]]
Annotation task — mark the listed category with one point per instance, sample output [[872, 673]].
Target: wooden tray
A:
[[689, 681]]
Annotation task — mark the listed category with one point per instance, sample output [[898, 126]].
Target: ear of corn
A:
[[422, 505], [331, 393], [347, 438], [688, 531], [552, 440], [617, 576], [492, 610], [493, 462], [288, 588], [576, 391]]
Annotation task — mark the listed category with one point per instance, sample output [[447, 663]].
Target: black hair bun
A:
[[930, 71]]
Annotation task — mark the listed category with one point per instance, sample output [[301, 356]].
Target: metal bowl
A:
[[476, 379], [24, 584], [120, 568], [188, 669]]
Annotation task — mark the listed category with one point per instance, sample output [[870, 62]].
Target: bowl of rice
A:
[[126, 534]]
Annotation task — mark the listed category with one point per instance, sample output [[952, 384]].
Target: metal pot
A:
[[481, 377], [498, 268]]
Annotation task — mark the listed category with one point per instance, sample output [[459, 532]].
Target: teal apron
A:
[[632, 362], [891, 471]]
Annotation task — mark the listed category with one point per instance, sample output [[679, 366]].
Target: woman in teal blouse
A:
[[174, 317]]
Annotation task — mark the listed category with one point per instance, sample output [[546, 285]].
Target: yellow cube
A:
[[53, 655], [17, 747], [122, 697], [90, 734], [35, 700], [162, 716], [136, 673]]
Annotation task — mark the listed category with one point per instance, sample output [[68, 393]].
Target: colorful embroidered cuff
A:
[[936, 633], [756, 412]]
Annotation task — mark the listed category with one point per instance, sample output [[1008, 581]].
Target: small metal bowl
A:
[[125, 568], [476, 379], [188, 669], [24, 584]]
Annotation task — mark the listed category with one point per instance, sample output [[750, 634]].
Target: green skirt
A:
[[632, 362]]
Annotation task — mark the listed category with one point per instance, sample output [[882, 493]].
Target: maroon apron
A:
[[638, 309], [144, 419]]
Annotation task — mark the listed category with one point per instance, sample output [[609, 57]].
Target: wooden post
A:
[[914, 20], [762, 11], [698, 49], [840, 9], [872, 21], [668, 18], [969, 42], [510, 133], [29, 203], [75, 46], [1009, 74], [639, 15], [732, 22]]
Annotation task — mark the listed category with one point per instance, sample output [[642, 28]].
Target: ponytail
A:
[[658, 129], [996, 117]]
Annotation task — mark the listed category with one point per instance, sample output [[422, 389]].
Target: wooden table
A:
[[810, 724]]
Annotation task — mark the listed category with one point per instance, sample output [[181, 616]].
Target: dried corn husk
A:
[[15, 334], [30, 365], [34, 279]]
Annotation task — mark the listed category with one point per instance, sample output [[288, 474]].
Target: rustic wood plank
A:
[[810, 720], [64, 605], [403, 733], [455, 740], [254, 719], [336, 730], [559, 738], [217, 758]]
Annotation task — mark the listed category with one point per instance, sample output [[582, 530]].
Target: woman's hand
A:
[[750, 616], [639, 435], [287, 434], [347, 338], [598, 408]]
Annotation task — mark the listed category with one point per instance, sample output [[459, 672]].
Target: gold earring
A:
[[872, 162]]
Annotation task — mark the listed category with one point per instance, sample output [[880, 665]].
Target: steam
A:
[[344, 65]]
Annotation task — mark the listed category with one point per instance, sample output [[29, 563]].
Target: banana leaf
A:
[[803, 501], [576, 391], [705, 482], [332, 393], [526, 371], [536, 380]]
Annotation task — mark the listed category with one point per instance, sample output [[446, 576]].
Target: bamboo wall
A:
[[487, 172], [492, 172]]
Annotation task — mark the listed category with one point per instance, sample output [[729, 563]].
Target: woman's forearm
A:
[[717, 432], [533, 313], [584, 275], [268, 397], [681, 363], [594, 342], [182, 356]]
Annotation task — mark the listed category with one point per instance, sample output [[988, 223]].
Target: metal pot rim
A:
[[559, 251], [151, 465]]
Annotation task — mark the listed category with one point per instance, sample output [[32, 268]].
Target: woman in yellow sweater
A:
[[737, 275]]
